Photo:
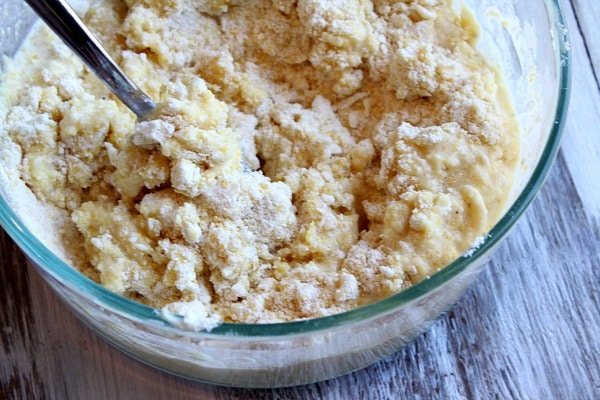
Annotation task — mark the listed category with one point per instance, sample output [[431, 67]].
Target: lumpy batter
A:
[[309, 156]]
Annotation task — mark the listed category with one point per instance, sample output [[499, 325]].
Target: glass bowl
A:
[[526, 40]]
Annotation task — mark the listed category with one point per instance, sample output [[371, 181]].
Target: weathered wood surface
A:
[[529, 328]]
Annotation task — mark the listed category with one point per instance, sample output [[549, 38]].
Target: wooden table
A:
[[529, 328]]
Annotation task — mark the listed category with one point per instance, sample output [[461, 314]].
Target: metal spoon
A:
[[61, 18]]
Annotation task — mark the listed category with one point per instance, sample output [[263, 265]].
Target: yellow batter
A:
[[310, 156]]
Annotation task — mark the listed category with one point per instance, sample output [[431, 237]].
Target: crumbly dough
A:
[[309, 156]]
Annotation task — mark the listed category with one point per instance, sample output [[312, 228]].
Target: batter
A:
[[310, 156]]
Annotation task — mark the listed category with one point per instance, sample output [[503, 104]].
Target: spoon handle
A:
[[61, 18]]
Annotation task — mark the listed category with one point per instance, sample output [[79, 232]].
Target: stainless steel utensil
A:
[[61, 18]]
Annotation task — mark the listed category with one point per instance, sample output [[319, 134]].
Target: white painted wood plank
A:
[[588, 15], [580, 145]]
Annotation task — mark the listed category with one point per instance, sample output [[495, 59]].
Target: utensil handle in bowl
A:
[[61, 18]]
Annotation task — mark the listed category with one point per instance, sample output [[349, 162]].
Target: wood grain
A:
[[529, 328], [580, 146], [587, 17]]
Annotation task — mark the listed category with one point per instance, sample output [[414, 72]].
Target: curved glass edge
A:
[[68, 276]]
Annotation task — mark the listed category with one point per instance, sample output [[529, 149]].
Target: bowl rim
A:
[[70, 277]]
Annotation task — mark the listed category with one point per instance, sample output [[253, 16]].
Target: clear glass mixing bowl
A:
[[527, 40]]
